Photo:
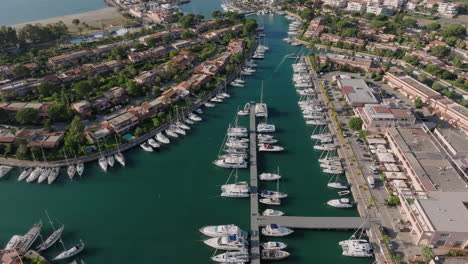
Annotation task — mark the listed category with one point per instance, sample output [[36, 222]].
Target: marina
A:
[[146, 177]]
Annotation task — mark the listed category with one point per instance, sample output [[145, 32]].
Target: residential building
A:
[[356, 6], [181, 44], [41, 138], [205, 26], [212, 67], [356, 92], [146, 110], [82, 107], [116, 95], [10, 256], [121, 123], [447, 9], [315, 28], [236, 46], [153, 53], [7, 136], [335, 3], [394, 4], [360, 63], [42, 108], [379, 117], [145, 77], [378, 10], [20, 88], [70, 58]]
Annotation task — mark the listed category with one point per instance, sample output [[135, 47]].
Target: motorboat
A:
[[320, 136], [235, 190], [325, 147], [245, 73], [338, 185], [120, 158], [265, 128], [340, 203], [146, 147], [13, 242], [237, 145], [34, 174], [274, 254], [194, 117], [45, 173], [54, 237], [276, 194], [153, 143], [216, 99], [331, 164], [271, 212], [224, 94], [234, 155], [234, 151], [328, 159], [270, 201], [240, 80], [188, 121], [264, 136], [276, 230], [343, 193], [333, 171], [232, 257], [267, 141], [103, 163], [232, 242], [162, 138], [269, 148], [111, 160], [208, 104], [231, 163], [178, 130], [238, 140], [199, 111], [171, 133], [24, 174], [236, 84], [356, 248], [245, 111], [53, 175], [80, 168], [237, 132], [71, 171], [4, 170], [181, 125], [316, 122], [267, 176], [223, 230], [71, 252]]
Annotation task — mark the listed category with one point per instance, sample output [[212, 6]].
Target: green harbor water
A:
[[150, 211]]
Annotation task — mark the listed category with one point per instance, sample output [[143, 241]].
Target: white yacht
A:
[[271, 212], [316, 122], [71, 252], [245, 111], [54, 237], [120, 158], [223, 230], [153, 143], [71, 171], [234, 155], [265, 128], [227, 243], [171, 133], [188, 121], [53, 175], [267, 176], [236, 84], [276, 230], [237, 145], [269, 148], [34, 174], [4, 170], [273, 245], [146, 147], [238, 140], [216, 99], [320, 136], [194, 117], [356, 248], [14, 242], [270, 201], [273, 194], [235, 190], [24, 174], [162, 138], [333, 171], [178, 130], [181, 125], [274, 254], [45, 173], [80, 168], [231, 163], [232, 257], [111, 160], [224, 94], [208, 104], [338, 185], [325, 147], [103, 163], [237, 132], [340, 203]]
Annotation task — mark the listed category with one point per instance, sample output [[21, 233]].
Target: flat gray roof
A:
[[447, 211], [422, 87], [361, 92]]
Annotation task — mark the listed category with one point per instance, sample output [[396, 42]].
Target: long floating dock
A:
[[254, 225], [318, 223]]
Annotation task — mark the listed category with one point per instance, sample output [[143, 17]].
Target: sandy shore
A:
[[108, 16]]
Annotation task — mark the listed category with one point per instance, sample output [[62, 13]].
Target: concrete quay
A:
[[254, 225]]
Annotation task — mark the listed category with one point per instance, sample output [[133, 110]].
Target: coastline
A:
[[108, 15]]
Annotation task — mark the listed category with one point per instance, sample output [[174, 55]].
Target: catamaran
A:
[[271, 212], [24, 174], [223, 230], [71, 252], [340, 203], [261, 109], [269, 148], [103, 163], [146, 147], [54, 237], [274, 254], [227, 243], [356, 248], [162, 138], [276, 230], [232, 257], [53, 175]]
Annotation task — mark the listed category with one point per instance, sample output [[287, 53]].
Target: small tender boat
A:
[[273, 245], [146, 147], [223, 230], [153, 143], [342, 193], [269, 148], [271, 212], [111, 160], [71, 252], [340, 203], [102, 161], [276, 230], [274, 254], [162, 138]]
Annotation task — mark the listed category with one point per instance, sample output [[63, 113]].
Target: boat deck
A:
[[254, 225]]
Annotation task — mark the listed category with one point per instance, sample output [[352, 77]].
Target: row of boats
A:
[[24, 243], [293, 31]]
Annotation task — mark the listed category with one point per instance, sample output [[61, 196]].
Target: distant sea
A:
[[20, 11]]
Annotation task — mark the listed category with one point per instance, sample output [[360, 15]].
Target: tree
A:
[[156, 122], [21, 72], [134, 89], [82, 88], [76, 21], [216, 14], [440, 51], [453, 30], [393, 200], [410, 22], [250, 26], [426, 253], [307, 14], [187, 21], [27, 116], [47, 88], [8, 150], [8, 37], [22, 152], [139, 132], [355, 123], [74, 136], [418, 103], [187, 34], [433, 26], [119, 52]]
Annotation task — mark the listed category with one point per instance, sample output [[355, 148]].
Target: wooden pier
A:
[[317, 223], [254, 225]]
